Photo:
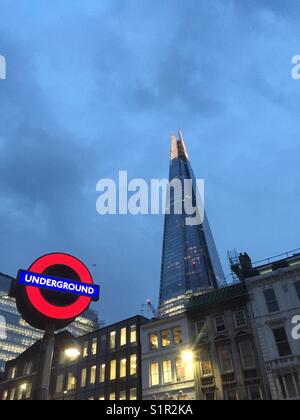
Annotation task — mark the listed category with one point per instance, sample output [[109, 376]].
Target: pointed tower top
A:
[[182, 152]]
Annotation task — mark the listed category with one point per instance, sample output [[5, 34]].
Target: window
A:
[[180, 369], [102, 373], [93, 375], [240, 319], [289, 385], [59, 384], [113, 370], [201, 328], [248, 359], [71, 385], [5, 395], [12, 373], [254, 393], [133, 365], [112, 396], [154, 374], [85, 350], [220, 324], [133, 337], [12, 394], [28, 390], [103, 343], [231, 394], [167, 371], [177, 336], [165, 338], [123, 338], [282, 342], [123, 364], [101, 397], [94, 347], [83, 378], [122, 395], [113, 340], [271, 300], [225, 359], [153, 341], [210, 396], [28, 368], [297, 287], [205, 363], [133, 394]]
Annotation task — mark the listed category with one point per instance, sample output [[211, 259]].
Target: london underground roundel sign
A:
[[56, 289]]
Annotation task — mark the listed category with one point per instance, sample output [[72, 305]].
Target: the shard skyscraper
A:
[[190, 261]]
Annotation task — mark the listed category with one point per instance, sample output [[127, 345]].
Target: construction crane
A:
[[153, 310]]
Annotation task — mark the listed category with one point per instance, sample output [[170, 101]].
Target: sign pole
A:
[[45, 364]]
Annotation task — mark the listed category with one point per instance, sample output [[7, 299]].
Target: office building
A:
[[107, 366], [274, 287], [167, 366], [190, 261], [227, 357]]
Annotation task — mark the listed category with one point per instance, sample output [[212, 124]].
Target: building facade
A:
[[227, 359], [274, 288], [167, 369], [190, 262], [16, 335], [108, 367]]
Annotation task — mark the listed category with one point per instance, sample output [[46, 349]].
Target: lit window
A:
[[133, 394], [225, 359], [112, 396], [12, 373], [122, 395], [180, 370], [167, 371], [123, 339], [83, 378], [123, 365], [93, 375], [240, 319], [94, 347], [28, 390], [5, 395], [85, 350], [71, 382], [28, 368], [60, 384], [282, 342], [101, 397], [113, 370], [220, 324], [133, 338], [201, 328], [113, 340], [102, 373], [12, 394], [165, 338], [133, 365], [153, 341], [205, 363], [154, 374], [177, 336], [247, 354], [271, 300]]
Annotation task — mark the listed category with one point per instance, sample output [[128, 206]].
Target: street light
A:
[[188, 356]]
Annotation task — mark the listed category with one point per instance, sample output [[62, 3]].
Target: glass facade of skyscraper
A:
[[16, 335], [190, 261]]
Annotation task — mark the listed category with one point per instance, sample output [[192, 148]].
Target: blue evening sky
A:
[[94, 87]]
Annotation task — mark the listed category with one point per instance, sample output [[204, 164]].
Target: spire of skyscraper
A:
[[190, 262]]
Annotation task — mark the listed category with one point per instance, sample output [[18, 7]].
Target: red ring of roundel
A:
[[39, 302]]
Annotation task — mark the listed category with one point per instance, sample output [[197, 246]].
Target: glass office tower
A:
[[190, 261], [16, 335]]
